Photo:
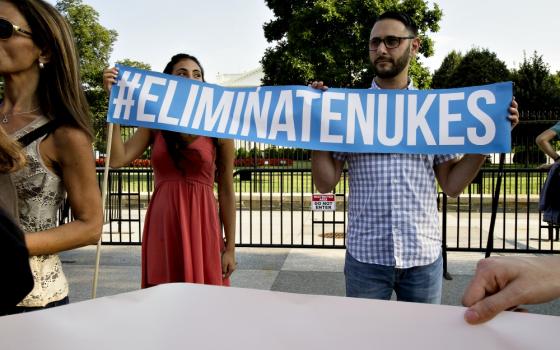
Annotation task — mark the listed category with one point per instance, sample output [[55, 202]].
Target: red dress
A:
[[182, 239]]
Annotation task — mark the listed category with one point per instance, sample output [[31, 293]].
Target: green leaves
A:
[[94, 44], [93, 41], [135, 64], [535, 87], [442, 75], [328, 40], [476, 67]]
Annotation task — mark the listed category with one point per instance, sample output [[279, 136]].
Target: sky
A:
[[227, 36]]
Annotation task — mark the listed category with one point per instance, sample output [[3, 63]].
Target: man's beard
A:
[[398, 66]]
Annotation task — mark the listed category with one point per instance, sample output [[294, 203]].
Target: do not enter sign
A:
[[323, 202]]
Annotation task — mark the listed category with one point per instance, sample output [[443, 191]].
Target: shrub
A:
[[241, 153]]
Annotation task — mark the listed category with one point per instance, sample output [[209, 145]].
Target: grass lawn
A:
[[141, 180]]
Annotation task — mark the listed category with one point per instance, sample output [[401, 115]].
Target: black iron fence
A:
[[129, 191], [273, 210], [274, 187], [519, 227]]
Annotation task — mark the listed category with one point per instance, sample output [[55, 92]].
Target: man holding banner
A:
[[394, 242], [393, 234]]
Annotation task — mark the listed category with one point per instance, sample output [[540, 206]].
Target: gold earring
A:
[[41, 65]]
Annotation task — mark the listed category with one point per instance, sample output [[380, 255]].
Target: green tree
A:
[[271, 152], [420, 75], [479, 67], [442, 75], [327, 39], [301, 154], [241, 153], [537, 91], [556, 78], [93, 41], [136, 64], [94, 44], [255, 153], [535, 87]]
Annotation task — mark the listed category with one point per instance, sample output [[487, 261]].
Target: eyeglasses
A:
[[7, 29], [391, 42]]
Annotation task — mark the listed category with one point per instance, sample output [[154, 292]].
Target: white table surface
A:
[[189, 316]]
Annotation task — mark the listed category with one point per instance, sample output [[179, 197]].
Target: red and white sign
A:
[[323, 202]]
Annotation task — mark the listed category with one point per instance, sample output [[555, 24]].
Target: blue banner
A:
[[464, 120]]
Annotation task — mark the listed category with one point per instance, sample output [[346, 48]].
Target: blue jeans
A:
[[420, 284]]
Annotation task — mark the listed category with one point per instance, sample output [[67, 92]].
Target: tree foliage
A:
[[94, 44], [133, 63], [479, 67], [93, 41], [327, 40], [442, 75], [535, 87]]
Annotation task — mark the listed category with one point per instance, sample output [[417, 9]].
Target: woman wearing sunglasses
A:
[[39, 64], [182, 239]]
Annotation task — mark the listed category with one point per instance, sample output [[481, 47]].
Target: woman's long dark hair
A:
[[11, 156], [173, 140], [60, 90]]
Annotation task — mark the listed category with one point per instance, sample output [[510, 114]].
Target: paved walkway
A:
[[309, 271]]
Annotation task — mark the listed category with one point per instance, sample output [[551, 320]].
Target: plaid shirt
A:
[[392, 214], [556, 129]]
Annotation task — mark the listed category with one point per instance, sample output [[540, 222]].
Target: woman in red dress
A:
[[182, 240]]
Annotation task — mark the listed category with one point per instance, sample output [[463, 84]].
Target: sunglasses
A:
[[7, 29]]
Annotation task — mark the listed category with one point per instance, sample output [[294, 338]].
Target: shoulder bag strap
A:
[[45, 129]]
